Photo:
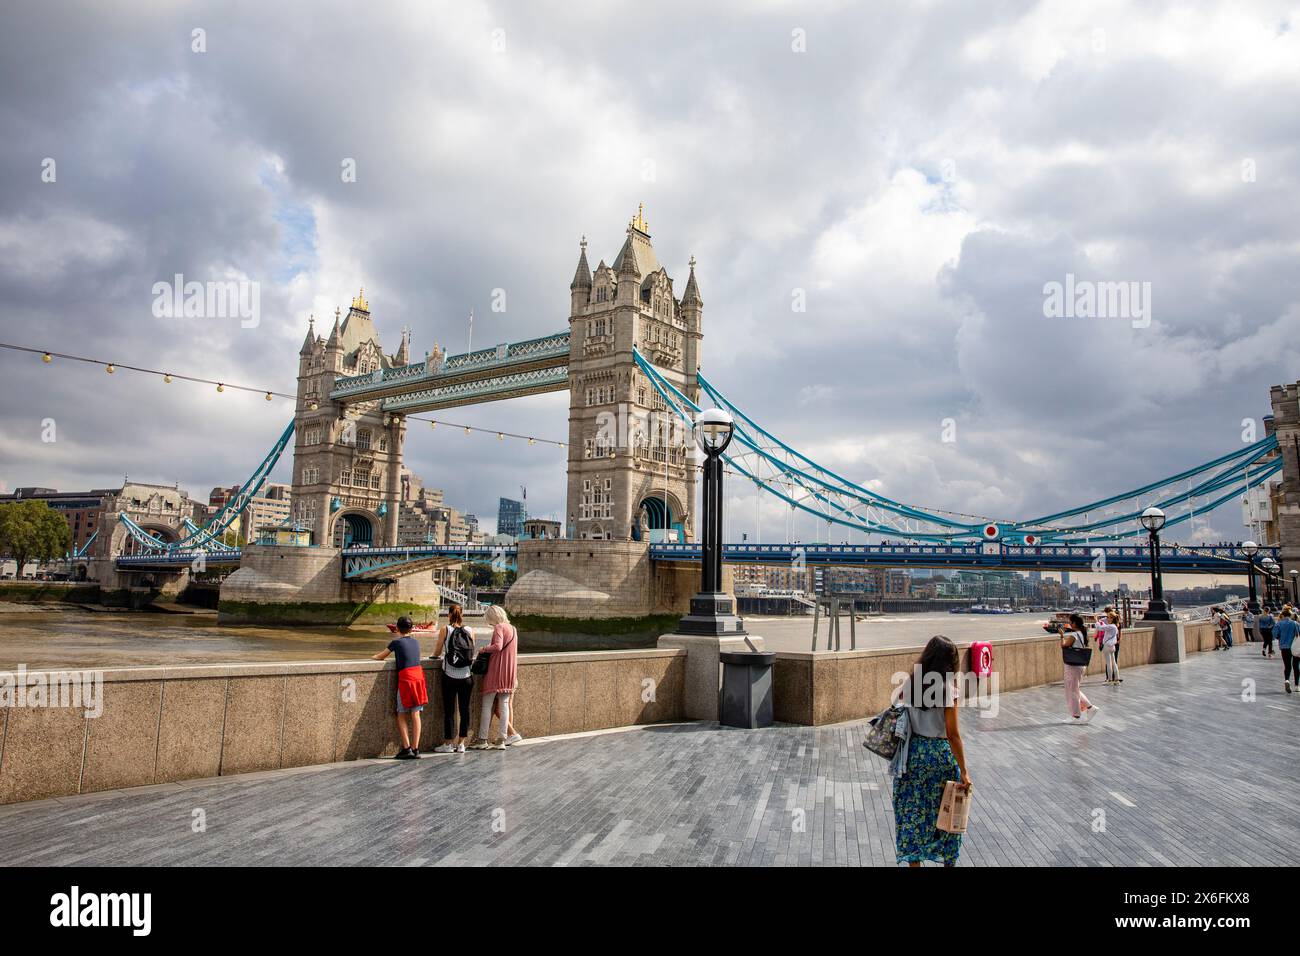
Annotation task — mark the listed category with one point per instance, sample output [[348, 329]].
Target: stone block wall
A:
[[600, 580], [165, 724], [827, 687]]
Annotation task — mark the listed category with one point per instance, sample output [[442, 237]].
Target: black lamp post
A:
[[1251, 549], [712, 612], [1295, 587], [1153, 519], [1269, 567]]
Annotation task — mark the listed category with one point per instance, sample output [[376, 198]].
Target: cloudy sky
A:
[[915, 173]]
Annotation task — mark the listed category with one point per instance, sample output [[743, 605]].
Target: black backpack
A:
[[459, 651]]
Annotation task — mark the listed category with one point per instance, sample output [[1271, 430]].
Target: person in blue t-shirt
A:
[[1285, 631], [1266, 625]]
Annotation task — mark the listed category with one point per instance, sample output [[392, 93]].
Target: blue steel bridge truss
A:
[[178, 560], [208, 537], [983, 555], [508, 370], [372, 564], [383, 563]]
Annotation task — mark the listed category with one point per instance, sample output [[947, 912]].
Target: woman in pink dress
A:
[[500, 681]]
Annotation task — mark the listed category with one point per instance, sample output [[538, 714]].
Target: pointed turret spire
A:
[[626, 264], [335, 339], [403, 356], [691, 296], [309, 342], [582, 276]]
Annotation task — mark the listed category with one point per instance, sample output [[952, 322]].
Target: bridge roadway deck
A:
[[1186, 772]]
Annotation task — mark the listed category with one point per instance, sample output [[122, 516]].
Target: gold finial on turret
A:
[[360, 301], [639, 222]]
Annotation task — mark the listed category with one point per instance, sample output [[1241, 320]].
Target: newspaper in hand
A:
[[954, 811]]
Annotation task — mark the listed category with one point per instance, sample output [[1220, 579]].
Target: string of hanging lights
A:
[[48, 356]]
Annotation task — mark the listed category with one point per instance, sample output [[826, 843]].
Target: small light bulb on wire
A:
[[432, 425], [313, 406], [109, 368], [47, 358], [501, 436], [167, 379], [220, 387], [268, 396], [467, 430]]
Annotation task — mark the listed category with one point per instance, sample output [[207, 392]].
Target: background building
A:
[[510, 517], [541, 528]]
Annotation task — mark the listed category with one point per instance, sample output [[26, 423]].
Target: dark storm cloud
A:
[[918, 174]]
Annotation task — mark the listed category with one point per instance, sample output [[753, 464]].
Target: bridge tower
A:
[[347, 459], [1285, 400], [631, 466]]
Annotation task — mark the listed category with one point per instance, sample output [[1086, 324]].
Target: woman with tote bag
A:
[[1076, 654], [931, 758]]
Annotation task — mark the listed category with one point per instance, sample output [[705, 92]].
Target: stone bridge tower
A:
[[631, 465], [347, 459], [1286, 425]]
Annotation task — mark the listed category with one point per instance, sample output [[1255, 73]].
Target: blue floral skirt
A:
[[917, 795]]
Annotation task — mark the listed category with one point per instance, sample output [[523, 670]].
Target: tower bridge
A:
[[630, 359]]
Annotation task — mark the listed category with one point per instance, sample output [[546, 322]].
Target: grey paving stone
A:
[[1185, 771]]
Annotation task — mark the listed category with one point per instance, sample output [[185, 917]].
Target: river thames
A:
[[77, 639]]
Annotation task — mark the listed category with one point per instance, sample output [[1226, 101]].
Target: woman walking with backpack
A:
[[499, 679], [1076, 653], [456, 648]]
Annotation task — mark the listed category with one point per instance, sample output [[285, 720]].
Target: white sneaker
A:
[[496, 745], [444, 749], [1090, 713], [480, 745], [513, 739], [460, 748]]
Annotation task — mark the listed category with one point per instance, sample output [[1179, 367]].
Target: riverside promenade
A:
[[1177, 770]]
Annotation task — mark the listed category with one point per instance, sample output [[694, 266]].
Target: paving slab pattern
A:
[[1178, 770]]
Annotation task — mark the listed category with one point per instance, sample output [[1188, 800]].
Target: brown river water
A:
[[80, 639]]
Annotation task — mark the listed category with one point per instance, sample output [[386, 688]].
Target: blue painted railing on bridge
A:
[[369, 562], [359, 562], [548, 350], [177, 559], [986, 555]]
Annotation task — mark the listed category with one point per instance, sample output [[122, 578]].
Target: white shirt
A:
[[1109, 635]]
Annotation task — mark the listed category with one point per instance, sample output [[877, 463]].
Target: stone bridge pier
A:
[[571, 579], [287, 584]]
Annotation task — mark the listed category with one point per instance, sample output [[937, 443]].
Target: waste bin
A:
[[746, 689]]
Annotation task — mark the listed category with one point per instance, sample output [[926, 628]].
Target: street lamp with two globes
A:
[[1251, 549]]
